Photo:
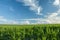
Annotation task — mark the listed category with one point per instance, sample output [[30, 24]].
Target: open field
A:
[[30, 32]]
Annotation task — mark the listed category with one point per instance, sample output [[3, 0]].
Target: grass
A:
[[30, 32]]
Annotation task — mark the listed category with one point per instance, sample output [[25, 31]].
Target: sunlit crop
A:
[[30, 32]]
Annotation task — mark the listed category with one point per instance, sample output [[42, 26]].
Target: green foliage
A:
[[30, 32]]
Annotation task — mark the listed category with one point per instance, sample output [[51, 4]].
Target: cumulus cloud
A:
[[33, 5], [6, 21], [33, 21], [25, 22], [54, 17], [56, 2]]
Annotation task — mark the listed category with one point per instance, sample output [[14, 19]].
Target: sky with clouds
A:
[[29, 11]]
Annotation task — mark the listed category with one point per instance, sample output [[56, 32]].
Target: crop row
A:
[[29, 33]]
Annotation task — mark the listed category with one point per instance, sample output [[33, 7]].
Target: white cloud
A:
[[56, 2], [11, 22], [25, 22], [54, 17], [33, 5], [6, 21], [30, 21], [2, 19], [51, 18]]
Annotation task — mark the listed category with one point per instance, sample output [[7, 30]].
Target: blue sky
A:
[[29, 11]]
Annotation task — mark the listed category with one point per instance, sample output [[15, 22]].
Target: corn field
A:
[[30, 32]]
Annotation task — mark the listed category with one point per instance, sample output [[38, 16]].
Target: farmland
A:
[[30, 32]]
